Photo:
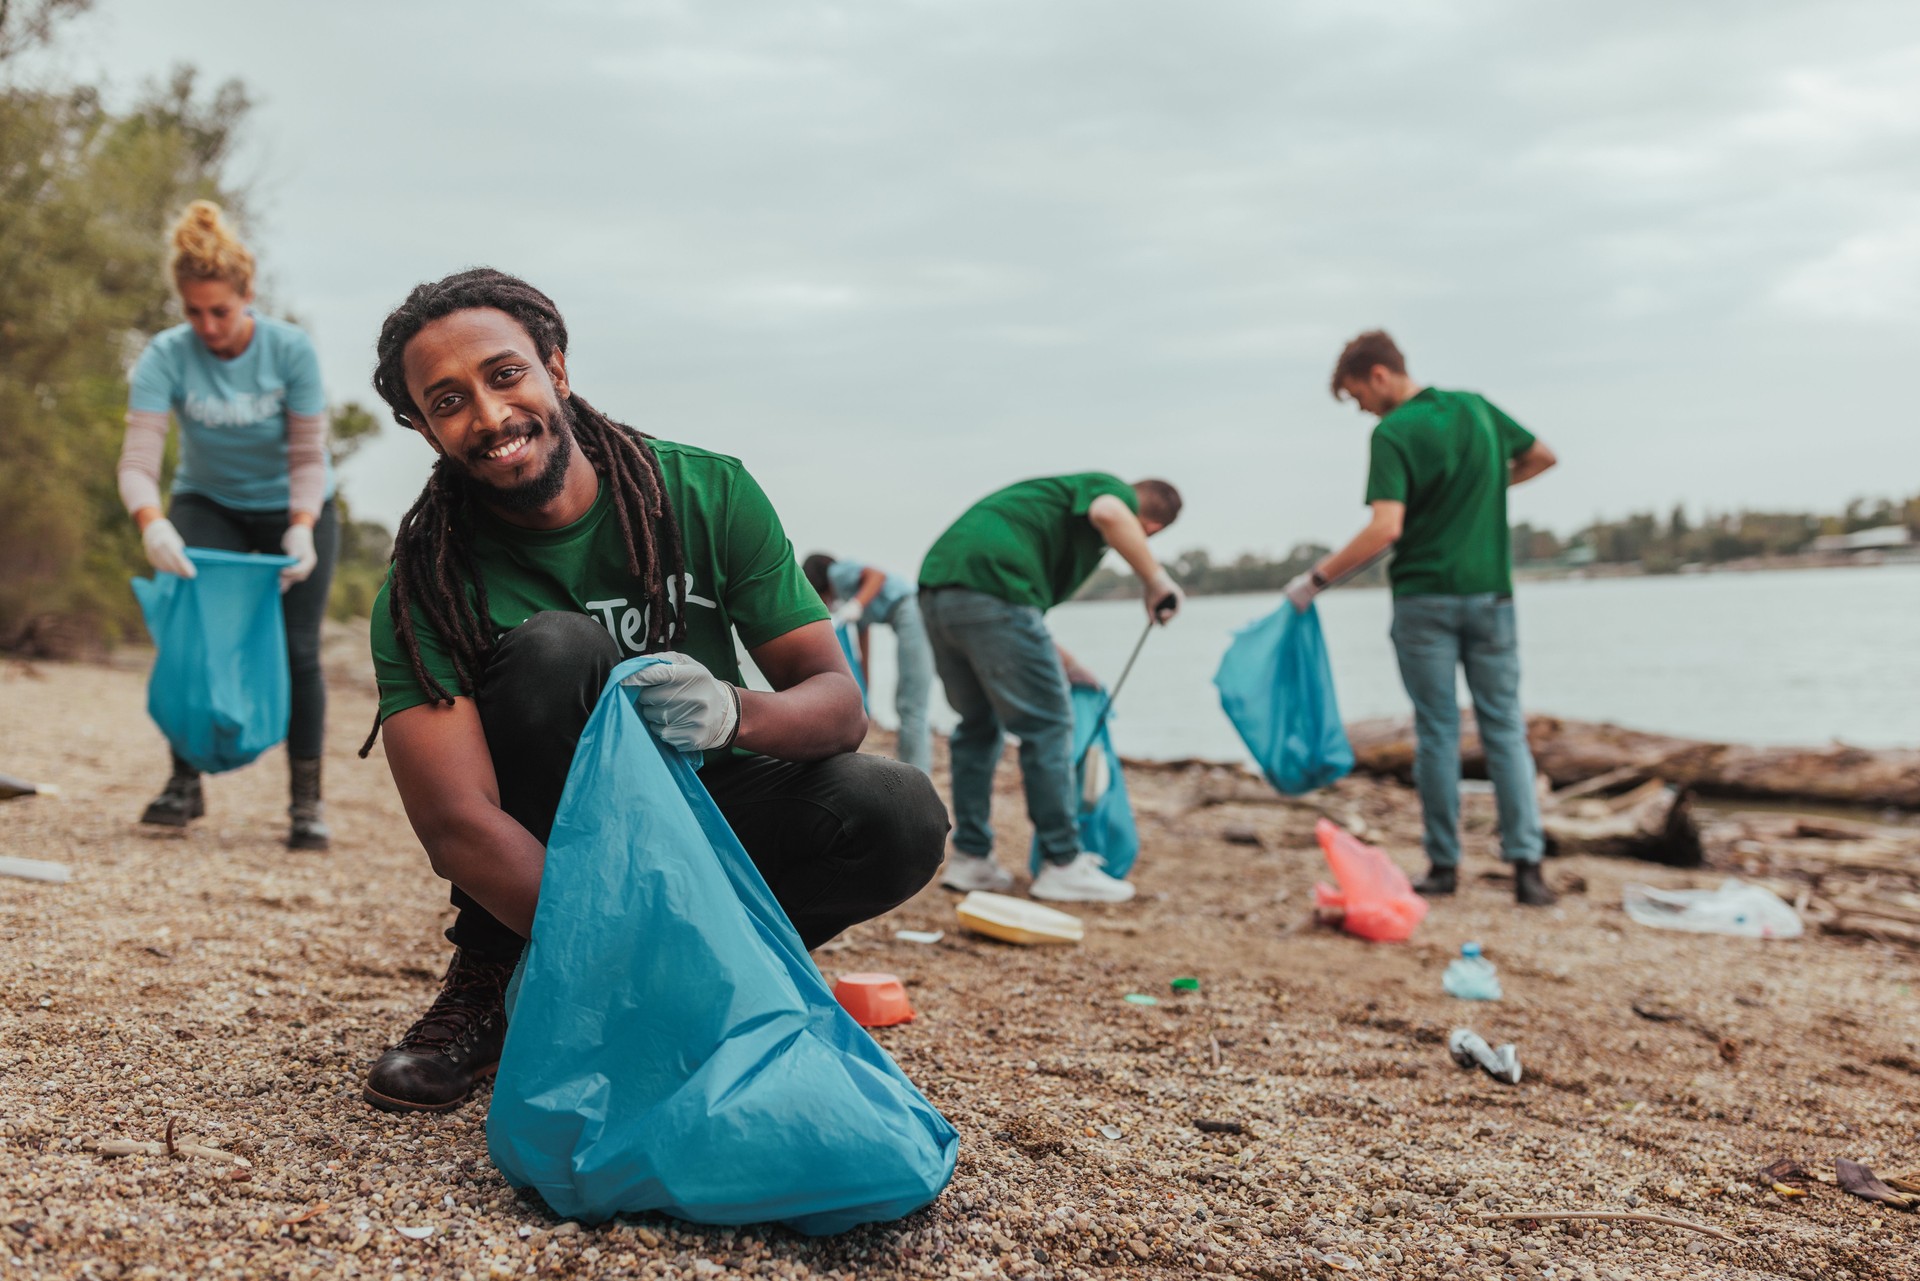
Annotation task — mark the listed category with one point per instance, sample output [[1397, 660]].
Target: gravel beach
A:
[[1297, 1116]]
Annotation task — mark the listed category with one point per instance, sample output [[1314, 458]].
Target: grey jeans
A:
[[914, 690], [1003, 675], [1434, 636]]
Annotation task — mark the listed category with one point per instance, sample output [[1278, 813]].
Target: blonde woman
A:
[[254, 476]]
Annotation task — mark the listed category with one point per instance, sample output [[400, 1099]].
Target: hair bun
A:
[[206, 247]]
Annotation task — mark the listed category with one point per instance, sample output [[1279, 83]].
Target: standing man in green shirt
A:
[[1442, 462], [984, 587], [552, 543]]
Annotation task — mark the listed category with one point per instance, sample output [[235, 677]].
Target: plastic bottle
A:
[[1472, 977]]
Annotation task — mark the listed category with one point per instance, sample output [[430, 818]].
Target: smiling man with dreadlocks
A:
[[550, 544]]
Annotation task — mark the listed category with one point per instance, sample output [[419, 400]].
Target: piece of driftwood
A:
[[1572, 751], [1653, 822], [1622, 1216], [139, 1147]]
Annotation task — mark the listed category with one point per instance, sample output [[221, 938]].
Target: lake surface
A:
[[1788, 657]]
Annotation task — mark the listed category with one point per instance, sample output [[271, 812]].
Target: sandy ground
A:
[[216, 983]]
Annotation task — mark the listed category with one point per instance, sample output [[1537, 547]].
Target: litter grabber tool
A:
[[1162, 610]]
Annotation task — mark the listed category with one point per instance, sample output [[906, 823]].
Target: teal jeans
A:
[[1003, 675], [914, 689], [1434, 636]]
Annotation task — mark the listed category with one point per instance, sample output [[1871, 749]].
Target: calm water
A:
[[1797, 657]]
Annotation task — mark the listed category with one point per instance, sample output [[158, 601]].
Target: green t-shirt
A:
[[741, 576], [1445, 454], [1028, 544]]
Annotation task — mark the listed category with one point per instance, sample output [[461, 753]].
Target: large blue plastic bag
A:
[[1276, 686], [220, 690], [1106, 826], [669, 1044]]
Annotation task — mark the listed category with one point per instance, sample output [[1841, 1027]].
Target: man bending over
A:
[[985, 586], [550, 544]]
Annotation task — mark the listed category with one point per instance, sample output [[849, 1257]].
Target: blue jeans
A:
[[914, 689], [1434, 635], [1003, 675]]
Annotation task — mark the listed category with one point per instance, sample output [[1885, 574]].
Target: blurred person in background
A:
[[860, 596]]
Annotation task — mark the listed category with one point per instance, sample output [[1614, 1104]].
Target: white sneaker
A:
[[1084, 880], [969, 872]]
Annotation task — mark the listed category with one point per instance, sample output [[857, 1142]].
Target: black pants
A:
[[205, 523], [839, 841]]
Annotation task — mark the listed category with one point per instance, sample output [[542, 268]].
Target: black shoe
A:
[[1530, 888], [1438, 882], [455, 1045], [181, 802], [307, 830]]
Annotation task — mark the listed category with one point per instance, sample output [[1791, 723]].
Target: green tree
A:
[[85, 195]]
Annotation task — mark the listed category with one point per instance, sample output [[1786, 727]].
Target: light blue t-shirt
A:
[[844, 577], [232, 413]]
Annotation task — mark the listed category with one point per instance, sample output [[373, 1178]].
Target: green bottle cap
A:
[[1186, 983]]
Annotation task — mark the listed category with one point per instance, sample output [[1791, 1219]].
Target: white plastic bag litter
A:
[[1735, 908]]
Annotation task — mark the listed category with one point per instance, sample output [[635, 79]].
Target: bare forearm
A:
[[815, 719], [492, 858], [1130, 540], [1366, 545]]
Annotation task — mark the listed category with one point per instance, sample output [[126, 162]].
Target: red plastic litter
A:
[[1376, 897], [874, 1000]]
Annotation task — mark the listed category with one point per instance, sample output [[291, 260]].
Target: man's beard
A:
[[536, 491]]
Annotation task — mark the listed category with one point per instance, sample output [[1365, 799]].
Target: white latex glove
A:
[[166, 550], [848, 613], [1302, 590], [686, 705], [297, 542], [1163, 597]]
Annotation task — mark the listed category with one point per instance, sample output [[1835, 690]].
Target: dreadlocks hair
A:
[[433, 563]]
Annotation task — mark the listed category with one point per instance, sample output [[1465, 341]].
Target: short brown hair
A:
[[1159, 501], [1359, 357]]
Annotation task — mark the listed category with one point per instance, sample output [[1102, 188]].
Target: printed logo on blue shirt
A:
[[236, 409]]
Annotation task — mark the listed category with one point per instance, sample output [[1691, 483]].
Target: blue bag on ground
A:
[[220, 690], [669, 1044], [1277, 688], [1106, 825]]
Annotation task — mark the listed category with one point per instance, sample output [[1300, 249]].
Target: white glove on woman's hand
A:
[[297, 542], [686, 705], [1164, 597], [848, 613], [166, 550], [1302, 590]]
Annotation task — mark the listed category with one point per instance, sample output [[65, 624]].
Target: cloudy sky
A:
[[895, 254]]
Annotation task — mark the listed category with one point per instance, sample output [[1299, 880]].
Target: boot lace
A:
[[470, 995]]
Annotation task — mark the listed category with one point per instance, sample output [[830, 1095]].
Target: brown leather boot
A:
[[454, 1046]]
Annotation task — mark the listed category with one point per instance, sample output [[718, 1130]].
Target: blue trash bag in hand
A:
[[1277, 688], [669, 1044], [220, 690], [845, 633], [1106, 824]]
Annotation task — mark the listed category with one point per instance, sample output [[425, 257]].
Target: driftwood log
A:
[[1571, 752], [1653, 822]]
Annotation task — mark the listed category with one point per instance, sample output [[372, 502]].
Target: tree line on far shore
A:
[[1642, 542]]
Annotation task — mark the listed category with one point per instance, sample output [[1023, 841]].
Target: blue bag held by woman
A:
[[669, 1045], [1276, 686], [1106, 812], [220, 690]]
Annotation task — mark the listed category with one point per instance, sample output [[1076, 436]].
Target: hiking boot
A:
[[1084, 880], [180, 802], [307, 829], [454, 1046], [1530, 887], [969, 872], [1438, 882]]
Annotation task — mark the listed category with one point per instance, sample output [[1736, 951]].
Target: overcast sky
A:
[[896, 254]]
